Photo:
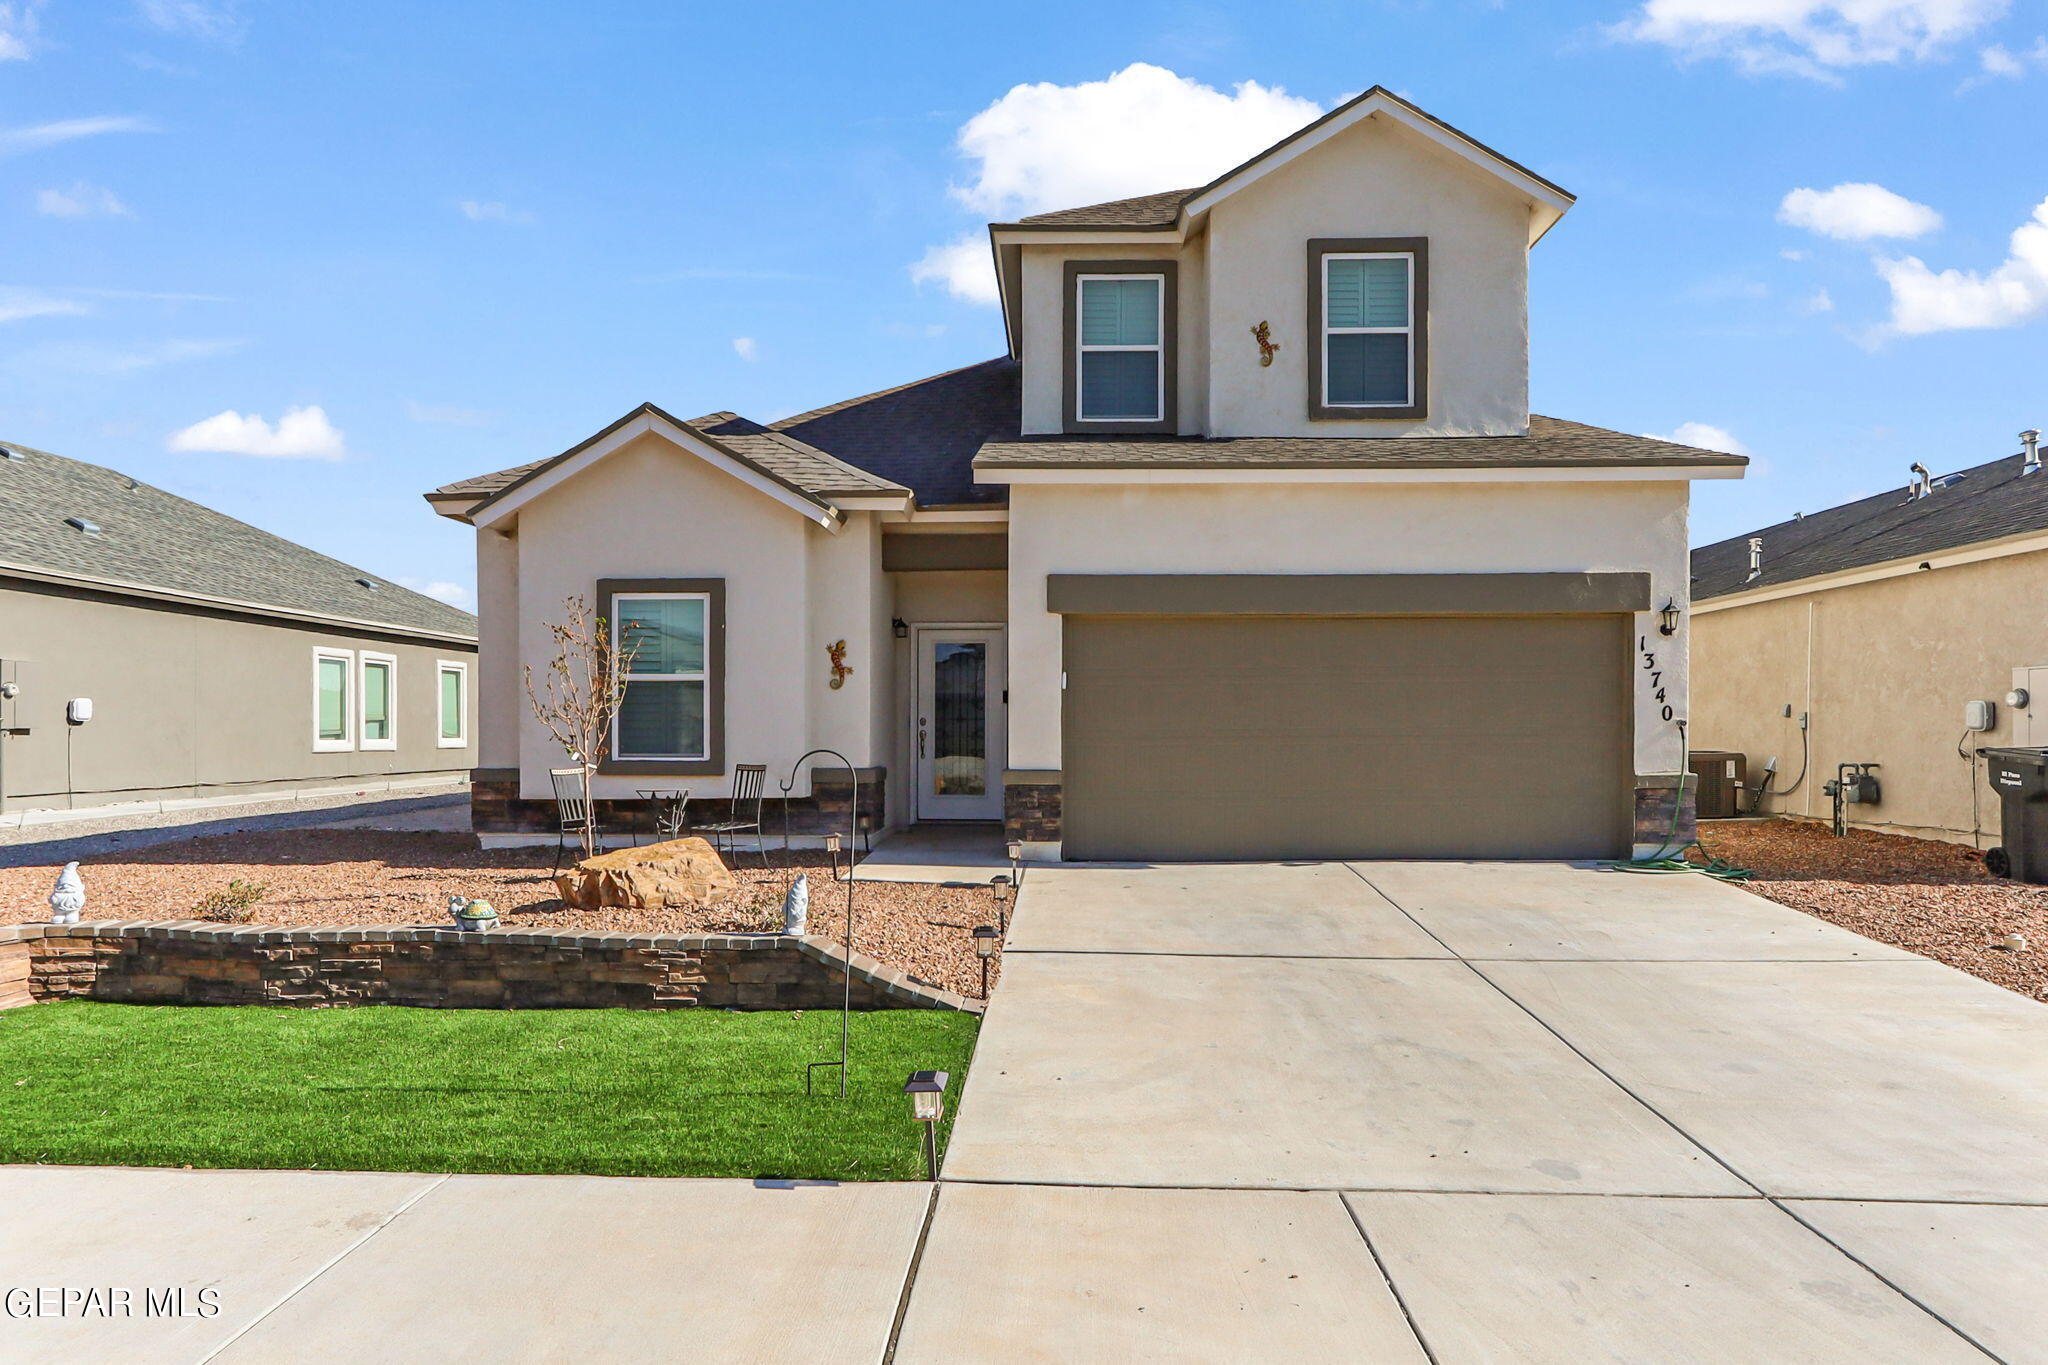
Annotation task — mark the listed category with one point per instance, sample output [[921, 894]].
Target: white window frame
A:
[[1408, 257], [363, 661], [702, 675], [1158, 349], [461, 671], [349, 683]]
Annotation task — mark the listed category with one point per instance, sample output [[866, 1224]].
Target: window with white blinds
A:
[[1121, 348], [1368, 330]]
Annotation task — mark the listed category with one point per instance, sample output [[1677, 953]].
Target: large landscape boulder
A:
[[680, 872]]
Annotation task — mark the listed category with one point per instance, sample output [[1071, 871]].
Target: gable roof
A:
[[1166, 209], [1987, 502], [157, 543], [1550, 443], [918, 438], [801, 472]]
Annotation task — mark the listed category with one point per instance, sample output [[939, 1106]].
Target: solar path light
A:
[[986, 937], [927, 1091]]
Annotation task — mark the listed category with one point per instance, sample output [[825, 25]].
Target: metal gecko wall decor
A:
[[1263, 334], [840, 668]]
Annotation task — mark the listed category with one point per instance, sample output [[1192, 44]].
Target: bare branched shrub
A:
[[578, 697]]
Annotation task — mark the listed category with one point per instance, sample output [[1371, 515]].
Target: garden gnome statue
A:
[[69, 897], [796, 907]]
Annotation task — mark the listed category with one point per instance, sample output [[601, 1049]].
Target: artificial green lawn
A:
[[604, 1092]]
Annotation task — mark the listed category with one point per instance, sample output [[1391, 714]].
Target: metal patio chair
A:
[[743, 814], [569, 810]]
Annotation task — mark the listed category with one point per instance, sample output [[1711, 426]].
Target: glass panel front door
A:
[[959, 724]]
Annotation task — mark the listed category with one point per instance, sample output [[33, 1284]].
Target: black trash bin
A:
[[2020, 777]]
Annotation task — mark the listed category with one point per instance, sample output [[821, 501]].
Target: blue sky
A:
[[470, 235]]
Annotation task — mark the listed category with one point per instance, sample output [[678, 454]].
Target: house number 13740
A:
[[1656, 677]]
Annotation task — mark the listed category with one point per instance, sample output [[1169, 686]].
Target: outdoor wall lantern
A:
[[927, 1091], [986, 936], [1667, 617], [899, 628]]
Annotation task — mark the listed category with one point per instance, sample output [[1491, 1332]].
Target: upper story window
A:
[[1120, 346], [670, 719], [1368, 311]]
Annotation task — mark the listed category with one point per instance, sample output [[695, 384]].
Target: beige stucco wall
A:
[[190, 704], [1249, 264], [500, 688], [651, 510], [1884, 668], [1376, 179], [1332, 528]]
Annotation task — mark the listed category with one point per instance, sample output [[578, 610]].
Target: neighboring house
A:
[[152, 650], [1880, 620], [1145, 588]]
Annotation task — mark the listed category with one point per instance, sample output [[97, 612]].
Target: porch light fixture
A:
[[986, 936], [898, 628], [1667, 617], [927, 1091]]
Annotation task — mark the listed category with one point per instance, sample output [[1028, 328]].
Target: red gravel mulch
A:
[[349, 877], [1922, 895]]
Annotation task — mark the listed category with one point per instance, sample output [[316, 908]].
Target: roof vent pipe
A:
[[1923, 482], [1756, 558], [2031, 440]]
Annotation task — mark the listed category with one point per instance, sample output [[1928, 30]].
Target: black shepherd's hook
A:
[[846, 971]]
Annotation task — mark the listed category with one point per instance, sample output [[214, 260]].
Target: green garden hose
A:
[[1670, 855]]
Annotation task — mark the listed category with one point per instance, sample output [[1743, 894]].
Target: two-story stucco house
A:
[[1250, 547]]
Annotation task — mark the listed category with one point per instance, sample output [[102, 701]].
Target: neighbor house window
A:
[[1368, 308], [451, 682], [333, 700], [1120, 345], [380, 689], [670, 632]]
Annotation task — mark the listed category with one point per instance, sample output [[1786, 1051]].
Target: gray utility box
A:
[[2020, 777]]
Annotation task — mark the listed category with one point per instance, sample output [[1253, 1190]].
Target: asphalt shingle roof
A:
[[923, 434], [1143, 211], [1988, 502], [1550, 442], [149, 538]]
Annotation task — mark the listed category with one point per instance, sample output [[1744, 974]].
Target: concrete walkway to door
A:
[[1488, 1111]]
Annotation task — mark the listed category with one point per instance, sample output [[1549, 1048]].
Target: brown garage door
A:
[[1191, 738]]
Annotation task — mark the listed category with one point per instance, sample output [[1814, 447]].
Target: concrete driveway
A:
[[1562, 1114]]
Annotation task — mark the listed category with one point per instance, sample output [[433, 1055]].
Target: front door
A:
[[959, 724]]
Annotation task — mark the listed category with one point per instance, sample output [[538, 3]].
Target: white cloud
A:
[[1857, 213], [1814, 38], [91, 358], [1793, 253], [446, 413], [82, 201], [1925, 300], [219, 23], [491, 211], [35, 137], [747, 349], [962, 265], [17, 30], [1702, 437], [17, 305], [1820, 301], [1141, 130], [301, 434], [441, 590], [1999, 62]]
